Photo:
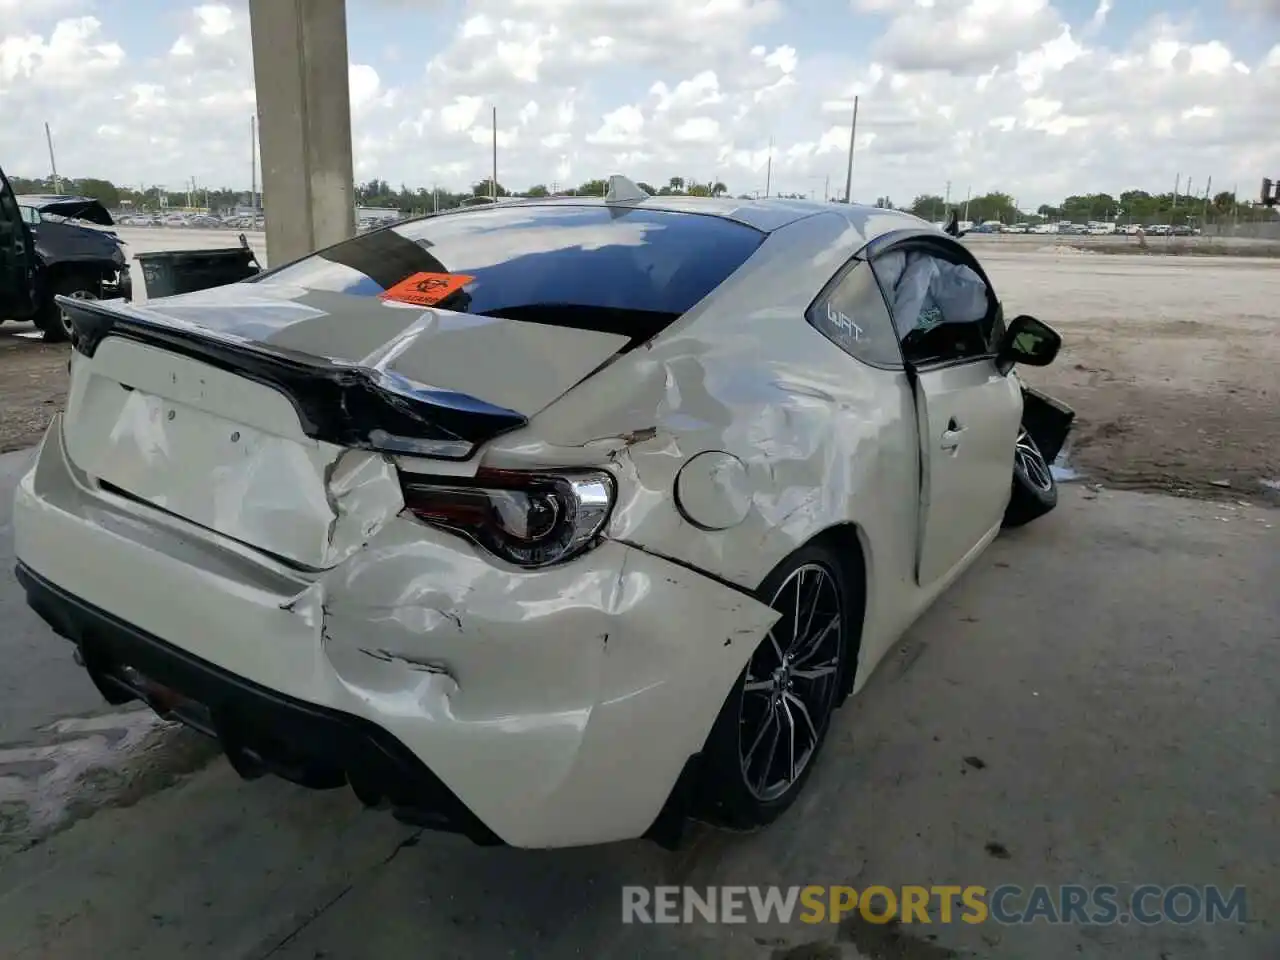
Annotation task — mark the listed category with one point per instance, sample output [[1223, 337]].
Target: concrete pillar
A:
[[304, 124]]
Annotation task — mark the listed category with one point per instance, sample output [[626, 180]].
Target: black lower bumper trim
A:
[[261, 730]]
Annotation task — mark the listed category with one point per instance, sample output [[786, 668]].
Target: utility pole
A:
[[826, 189], [967, 194], [493, 186], [853, 135], [1204, 213], [1177, 183], [768, 170], [253, 162], [57, 181]]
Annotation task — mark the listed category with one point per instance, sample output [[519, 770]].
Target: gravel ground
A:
[[1169, 361], [1170, 364]]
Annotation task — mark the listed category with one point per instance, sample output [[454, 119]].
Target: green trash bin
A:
[[166, 273]]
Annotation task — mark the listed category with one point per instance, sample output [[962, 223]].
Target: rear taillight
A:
[[528, 519]]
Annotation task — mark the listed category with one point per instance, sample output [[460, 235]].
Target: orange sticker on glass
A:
[[426, 289]]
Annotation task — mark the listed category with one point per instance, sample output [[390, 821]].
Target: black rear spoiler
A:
[[336, 402]]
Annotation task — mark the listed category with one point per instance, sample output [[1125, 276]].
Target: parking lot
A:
[[1093, 703]]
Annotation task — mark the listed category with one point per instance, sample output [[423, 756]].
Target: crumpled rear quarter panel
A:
[[823, 439], [559, 705], [538, 695]]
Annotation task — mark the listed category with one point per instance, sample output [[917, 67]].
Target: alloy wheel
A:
[[65, 319], [1030, 461], [790, 683]]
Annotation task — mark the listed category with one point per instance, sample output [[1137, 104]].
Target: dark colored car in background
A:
[[51, 246]]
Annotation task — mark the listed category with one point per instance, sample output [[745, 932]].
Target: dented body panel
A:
[[142, 421], [527, 691], [825, 441]]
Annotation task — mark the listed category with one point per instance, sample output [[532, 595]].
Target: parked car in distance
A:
[[553, 522]]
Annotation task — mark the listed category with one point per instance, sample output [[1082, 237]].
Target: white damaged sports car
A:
[[552, 523]]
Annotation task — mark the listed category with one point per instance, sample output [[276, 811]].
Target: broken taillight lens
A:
[[528, 519]]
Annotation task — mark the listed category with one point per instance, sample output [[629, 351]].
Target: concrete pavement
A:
[[1109, 673], [39, 682]]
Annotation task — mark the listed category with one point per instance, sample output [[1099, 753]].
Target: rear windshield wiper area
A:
[[638, 326]]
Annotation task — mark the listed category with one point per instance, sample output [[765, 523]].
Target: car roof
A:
[[765, 214]]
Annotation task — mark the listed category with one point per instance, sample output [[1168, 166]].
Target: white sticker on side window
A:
[[843, 322]]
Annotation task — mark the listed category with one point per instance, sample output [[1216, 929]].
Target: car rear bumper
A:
[[555, 708], [261, 730]]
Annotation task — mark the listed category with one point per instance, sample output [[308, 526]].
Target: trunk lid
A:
[[266, 413], [516, 365]]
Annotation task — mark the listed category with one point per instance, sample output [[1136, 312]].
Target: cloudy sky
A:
[[1040, 98]]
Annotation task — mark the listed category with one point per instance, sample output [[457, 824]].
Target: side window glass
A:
[[942, 310], [852, 314]]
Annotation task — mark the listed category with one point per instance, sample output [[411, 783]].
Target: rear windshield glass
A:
[[607, 268]]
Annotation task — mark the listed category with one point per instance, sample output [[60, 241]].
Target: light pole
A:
[[768, 170], [853, 135]]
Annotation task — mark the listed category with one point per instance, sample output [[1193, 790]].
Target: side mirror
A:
[[1028, 341]]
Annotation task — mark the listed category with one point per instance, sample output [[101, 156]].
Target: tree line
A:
[[380, 193], [373, 193], [1131, 206]]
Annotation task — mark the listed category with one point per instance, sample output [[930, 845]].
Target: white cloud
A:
[[362, 84], [699, 91], [462, 114], [963, 36], [216, 20], [621, 127], [1051, 57], [1099, 17], [74, 53], [1011, 94], [1269, 8], [697, 130]]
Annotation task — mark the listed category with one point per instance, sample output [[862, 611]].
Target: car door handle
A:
[[951, 438]]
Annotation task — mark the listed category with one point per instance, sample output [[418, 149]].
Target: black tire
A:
[[50, 320], [1035, 491], [727, 797]]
